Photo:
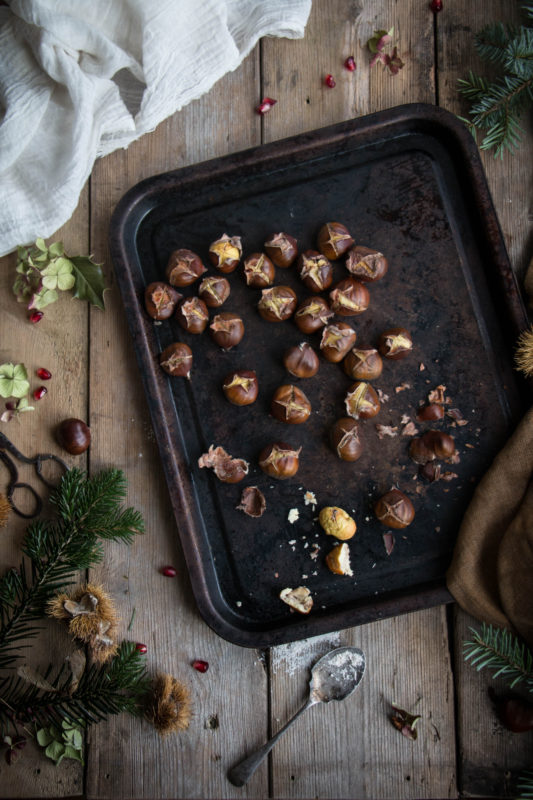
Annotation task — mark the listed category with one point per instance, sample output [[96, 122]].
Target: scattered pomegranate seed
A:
[[436, 6], [40, 392], [329, 80], [36, 316], [200, 666], [350, 63], [141, 648], [265, 105], [169, 572], [43, 374]]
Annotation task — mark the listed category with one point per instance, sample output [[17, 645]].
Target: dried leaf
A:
[[31, 675], [405, 722]]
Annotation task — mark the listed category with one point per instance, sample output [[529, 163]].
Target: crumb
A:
[[421, 367], [238, 603], [410, 429], [405, 419], [310, 499], [386, 430], [402, 387], [293, 516], [382, 396], [292, 541]]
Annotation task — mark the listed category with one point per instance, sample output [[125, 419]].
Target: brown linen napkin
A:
[[491, 574]]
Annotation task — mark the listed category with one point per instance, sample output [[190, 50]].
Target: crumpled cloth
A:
[[80, 78]]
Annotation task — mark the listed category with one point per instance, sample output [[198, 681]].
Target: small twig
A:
[[131, 620]]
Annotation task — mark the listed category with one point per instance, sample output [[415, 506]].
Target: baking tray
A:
[[409, 182]]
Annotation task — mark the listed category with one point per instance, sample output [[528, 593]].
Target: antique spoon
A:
[[334, 677]]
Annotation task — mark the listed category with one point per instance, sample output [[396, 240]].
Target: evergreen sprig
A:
[[525, 781], [499, 650]]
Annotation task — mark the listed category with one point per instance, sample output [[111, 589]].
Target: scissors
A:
[[14, 483]]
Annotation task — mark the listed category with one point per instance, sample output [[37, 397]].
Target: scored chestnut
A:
[[214, 290], [259, 271], [315, 271], [395, 343], [241, 387], [277, 303], [363, 363], [227, 329], [394, 509], [344, 438], [192, 314], [225, 253], [184, 267], [73, 435], [280, 460], [334, 240], [312, 314], [366, 264], [361, 401], [289, 404], [176, 359], [349, 297], [301, 360], [282, 249], [337, 340], [160, 300]]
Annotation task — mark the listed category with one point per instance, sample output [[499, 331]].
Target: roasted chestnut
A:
[[282, 249], [363, 363], [312, 314], [259, 271], [214, 290], [73, 435], [430, 446], [241, 387], [395, 343], [394, 509], [349, 297], [280, 460], [336, 340], [361, 401], [176, 359], [315, 271], [289, 404], [227, 329], [301, 361], [334, 240], [184, 267], [366, 264], [345, 441], [160, 300], [192, 314], [277, 303], [225, 253], [430, 412]]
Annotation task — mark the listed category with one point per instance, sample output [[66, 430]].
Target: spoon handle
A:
[[243, 771]]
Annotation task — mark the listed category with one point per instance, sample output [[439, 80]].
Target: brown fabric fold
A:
[[491, 574]]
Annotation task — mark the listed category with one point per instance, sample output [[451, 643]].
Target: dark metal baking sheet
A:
[[409, 182]]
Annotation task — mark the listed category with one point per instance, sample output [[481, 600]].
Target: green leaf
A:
[[56, 249], [55, 751], [41, 245], [43, 298], [72, 752], [90, 283], [43, 737], [13, 380]]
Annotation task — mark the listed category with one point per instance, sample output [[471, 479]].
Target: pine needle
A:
[[501, 651]]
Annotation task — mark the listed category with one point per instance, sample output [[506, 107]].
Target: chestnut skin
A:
[[349, 297], [315, 271], [184, 268], [277, 303], [227, 329], [259, 271], [312, 314], [241, 387], [282, 249], [366, 265], [225, 253], [334, 240], [301, 360], [280, 460], [362, 401], [394, 509], [160, 300], [344, 439], [73, 435], [192, 314], [214, 291], [337, 339], [395, 343], [176, 359], [363, 363], [290, 405]]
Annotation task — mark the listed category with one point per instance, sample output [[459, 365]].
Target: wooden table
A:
[[415, 660]]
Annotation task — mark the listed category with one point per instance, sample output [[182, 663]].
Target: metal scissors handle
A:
[[14, 483]]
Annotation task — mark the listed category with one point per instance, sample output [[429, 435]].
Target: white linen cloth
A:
[[80, 78]]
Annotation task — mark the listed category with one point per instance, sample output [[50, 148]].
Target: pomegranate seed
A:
[[350, 63], [10, 405], [141, 648], [36, 316], [43, 374], [329, 80], [40, 392], [265, 105], [169, 572], [200, 666], [436, 6]]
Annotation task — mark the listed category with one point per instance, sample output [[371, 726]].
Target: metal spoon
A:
[[334, 677]]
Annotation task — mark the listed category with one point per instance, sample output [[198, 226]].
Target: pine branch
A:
[[525, 785], [501, 651], [493, 40], [519, 54]]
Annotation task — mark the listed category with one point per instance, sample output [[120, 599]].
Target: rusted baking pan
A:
[[407, 182]]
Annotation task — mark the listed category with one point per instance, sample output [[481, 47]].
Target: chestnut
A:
[[259, 271], [225, 253], [241, 387], [176, 359], [282, 249], [192, 314], [312, 314], [430, 412], [334, 240], [430, 446], [73, 435], [395, 343], [366, 264], [315, 271], [227, 329], [160, 300], [336, 340], [394, 509], [349, 297], [361, 401], [363, 363], [227, 468], [184, 267], [277, 303], [301, 361], [214, 290], [344, 438], [280, 460], [289, 404]]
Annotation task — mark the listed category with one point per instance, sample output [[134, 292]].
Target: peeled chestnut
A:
[[336, 340], [344, 438], [176, 359], [259, 271], [280, 460], [282, 249], [227, 329], [395, 343], [289, 404], [349, 297], [214, 290], [334, 240], [225, 253], [394, 509], [363, 363], [362, 401], [277, 303], [184, 267], [160, 300], [312, 314], [241, 387], [192, 314], [315, 271], [301, 361], [366, 264], [73, 435]]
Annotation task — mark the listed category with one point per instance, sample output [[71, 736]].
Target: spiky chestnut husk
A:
[[170, 705]]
